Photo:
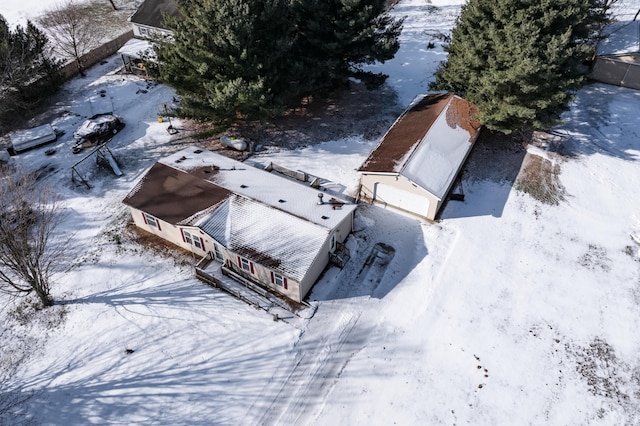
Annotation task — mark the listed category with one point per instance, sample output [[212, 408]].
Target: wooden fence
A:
[[96, 55]]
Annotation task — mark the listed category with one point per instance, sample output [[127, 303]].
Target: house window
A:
[[143, 31], [217, 252], [279, 280], [332, 243], [192, 239], [151, 221], [245, 265]]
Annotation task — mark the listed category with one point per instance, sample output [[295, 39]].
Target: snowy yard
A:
[[507, 311]]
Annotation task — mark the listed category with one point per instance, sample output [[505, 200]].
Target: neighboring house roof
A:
[[428, 142], [152, 13], [283, 243], [620, 38], [173, 195]]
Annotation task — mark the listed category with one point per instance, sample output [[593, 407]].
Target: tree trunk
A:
[[45, 299]]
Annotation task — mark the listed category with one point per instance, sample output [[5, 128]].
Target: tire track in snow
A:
[[299, 398], [324, 351]]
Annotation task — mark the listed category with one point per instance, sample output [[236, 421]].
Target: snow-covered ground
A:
[[17, 12], [507, 311]]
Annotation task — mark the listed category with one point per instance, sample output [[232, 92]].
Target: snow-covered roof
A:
[[138, 49], [44, 132], [272, 190], [428, 143], [620, 38], [281, 242]]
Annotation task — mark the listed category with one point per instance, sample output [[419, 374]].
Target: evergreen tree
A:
[[336, 37], [251, 58], [27, 71], [229, 58], [518, 60]]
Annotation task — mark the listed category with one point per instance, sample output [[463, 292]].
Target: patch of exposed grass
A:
[[539, 178]]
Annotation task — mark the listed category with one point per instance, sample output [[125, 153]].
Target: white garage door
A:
[[400, 198]]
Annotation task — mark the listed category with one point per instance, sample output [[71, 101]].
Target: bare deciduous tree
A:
[[29, 213], [74, 28]]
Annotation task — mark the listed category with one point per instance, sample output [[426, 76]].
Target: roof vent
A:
[[282, 201], [197, 151], [243, 186], [325, 217], [320, 195]]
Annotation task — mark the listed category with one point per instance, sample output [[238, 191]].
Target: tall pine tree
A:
[[229, 58], [28, 73], [336, 37], [518, 60], [252, 58]]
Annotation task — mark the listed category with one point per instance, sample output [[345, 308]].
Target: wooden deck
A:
[[217, 275]]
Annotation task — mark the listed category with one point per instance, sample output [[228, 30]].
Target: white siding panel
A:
[[402, 199]]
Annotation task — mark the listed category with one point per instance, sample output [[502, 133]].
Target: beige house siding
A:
[[369, 181], [321, 261], [173, 233], [319, 264]]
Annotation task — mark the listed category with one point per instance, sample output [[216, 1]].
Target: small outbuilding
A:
[[415, 165], [618, 55]]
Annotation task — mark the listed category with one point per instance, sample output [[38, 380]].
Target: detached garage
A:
[[415, 164]]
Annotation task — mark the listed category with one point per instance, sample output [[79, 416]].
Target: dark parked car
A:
[[96, 130]]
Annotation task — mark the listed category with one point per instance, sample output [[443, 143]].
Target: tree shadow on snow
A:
[[487, 177], [603, 120]]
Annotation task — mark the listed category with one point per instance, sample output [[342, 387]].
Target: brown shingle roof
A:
[[152, 12], [402, 138], [173, 195]]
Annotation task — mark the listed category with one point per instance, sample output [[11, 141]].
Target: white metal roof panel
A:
[[437, 159]]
